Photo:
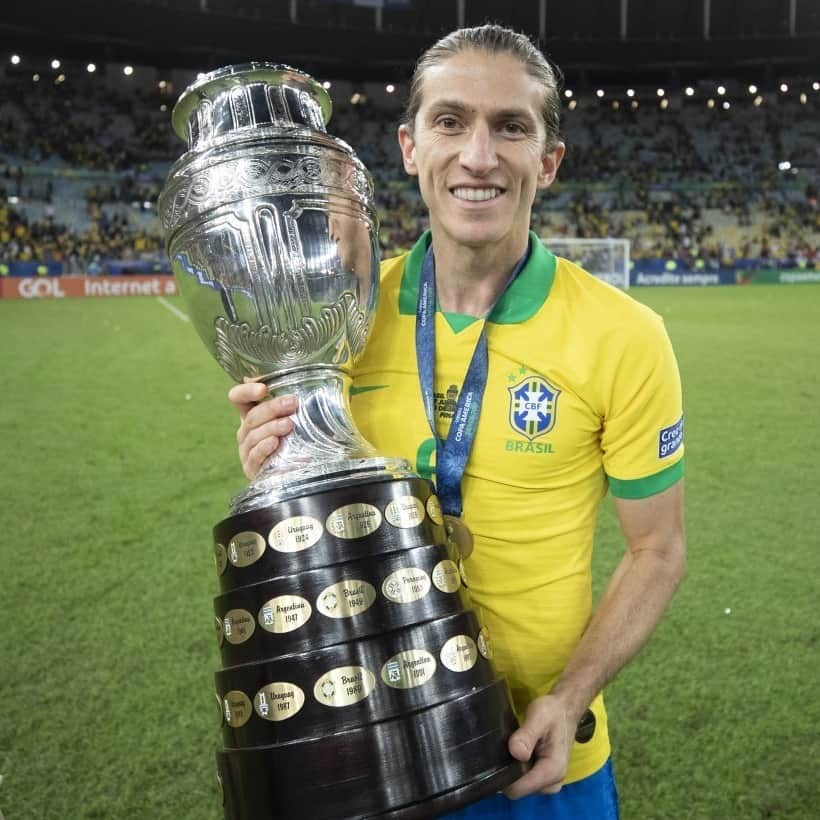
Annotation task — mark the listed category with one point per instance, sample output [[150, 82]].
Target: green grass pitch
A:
[[118, 456]]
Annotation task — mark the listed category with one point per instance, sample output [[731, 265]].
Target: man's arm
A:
[[631, 607]]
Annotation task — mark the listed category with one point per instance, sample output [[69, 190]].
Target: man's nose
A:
[[478, 152]]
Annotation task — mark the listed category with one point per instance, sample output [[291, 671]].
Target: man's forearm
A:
[[630, 609]]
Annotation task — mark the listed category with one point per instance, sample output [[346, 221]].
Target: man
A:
[[564, 386]]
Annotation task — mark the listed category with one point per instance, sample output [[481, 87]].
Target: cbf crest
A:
[[533, 406]]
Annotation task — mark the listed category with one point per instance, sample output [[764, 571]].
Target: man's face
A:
[[477, 147]]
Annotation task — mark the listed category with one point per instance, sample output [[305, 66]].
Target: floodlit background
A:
[[117, 441]]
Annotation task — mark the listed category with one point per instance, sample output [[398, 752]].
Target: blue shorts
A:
[[593, 798]]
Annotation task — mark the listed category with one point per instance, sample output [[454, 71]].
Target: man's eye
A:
[[447, 122], [514, 128]]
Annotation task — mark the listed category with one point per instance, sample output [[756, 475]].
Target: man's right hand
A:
[[263, 423]]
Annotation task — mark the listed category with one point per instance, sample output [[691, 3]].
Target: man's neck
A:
[[470, 280]]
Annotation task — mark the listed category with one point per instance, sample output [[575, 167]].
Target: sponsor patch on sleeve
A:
[[670, 438]]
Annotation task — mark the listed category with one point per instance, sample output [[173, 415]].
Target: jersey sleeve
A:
[[642, 437]]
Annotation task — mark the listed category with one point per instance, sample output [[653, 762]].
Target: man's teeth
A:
[[476, 194]]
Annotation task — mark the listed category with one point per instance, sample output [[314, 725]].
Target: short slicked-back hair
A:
[[494, 39]]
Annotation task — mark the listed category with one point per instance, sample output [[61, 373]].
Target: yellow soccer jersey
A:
[[583, 392]]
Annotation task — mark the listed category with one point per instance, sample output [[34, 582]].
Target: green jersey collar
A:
[[521, 300]]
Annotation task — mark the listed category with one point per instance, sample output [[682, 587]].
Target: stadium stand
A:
[[705, 185]]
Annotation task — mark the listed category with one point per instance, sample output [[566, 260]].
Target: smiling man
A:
[[526, 387]]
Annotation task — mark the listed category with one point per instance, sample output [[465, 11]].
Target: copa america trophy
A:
[[357, 682]]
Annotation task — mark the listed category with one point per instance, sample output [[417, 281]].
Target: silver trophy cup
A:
[[271, 230], [356, 681]]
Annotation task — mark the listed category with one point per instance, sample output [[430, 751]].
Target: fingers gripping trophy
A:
[[356, 680]]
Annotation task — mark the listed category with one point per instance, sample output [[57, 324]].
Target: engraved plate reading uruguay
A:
[[410, 668], [434, 510], [295, 534], [459, 654], [354, 521], [405, 512], [284, 614], [344, 686], [245, 548], [238, 625], [237, 708], [346, 599], [278, 701], [446, 576], [220, 558], [406, 585]]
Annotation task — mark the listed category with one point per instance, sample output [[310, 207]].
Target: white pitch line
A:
[[176, 311]]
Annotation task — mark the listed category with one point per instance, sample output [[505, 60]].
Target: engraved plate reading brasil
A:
[[344, 686], [459, 654], [406, 585], [434, 510], [284, 614], [410, 668], [278, 701], [237, 706], [238, 625], [345, 599], [220, 558], [354, 521], [295, 534], [446, 576], [405, 512], [245, 548]]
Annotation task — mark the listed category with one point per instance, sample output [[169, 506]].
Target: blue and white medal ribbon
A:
[[453, 452]]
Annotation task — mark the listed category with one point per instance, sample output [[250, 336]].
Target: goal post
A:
[[606, 259]]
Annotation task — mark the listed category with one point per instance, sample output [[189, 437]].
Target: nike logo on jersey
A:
[[366, 388]]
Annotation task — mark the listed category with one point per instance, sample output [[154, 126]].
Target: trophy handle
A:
[[324, 448]]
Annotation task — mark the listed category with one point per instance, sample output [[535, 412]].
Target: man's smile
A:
[[476, 194]]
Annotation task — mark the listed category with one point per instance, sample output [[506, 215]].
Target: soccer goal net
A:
[[606, 259]]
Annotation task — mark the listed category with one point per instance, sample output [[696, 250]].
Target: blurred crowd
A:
[[81, 167]]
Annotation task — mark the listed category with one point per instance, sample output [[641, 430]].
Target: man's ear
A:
[[549, 165], [408, 150]]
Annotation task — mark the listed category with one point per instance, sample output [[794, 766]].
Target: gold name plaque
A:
[[459, 654], [220, 558], [405, 512], [346, 599], [434, 510], [406, 585], [485, 646], [295, 534], [246, 548], [237, 707], [278, 701], [238, 625], [354, 521], [408, 669], [344, 686], [446, 576], [284, 613]]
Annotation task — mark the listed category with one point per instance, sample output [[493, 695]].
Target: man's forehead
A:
[[455, 83], [502, 110]]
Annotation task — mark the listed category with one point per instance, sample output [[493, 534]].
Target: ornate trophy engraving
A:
[[355, 683]]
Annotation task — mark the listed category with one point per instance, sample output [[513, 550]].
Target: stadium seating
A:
[[81, 167]]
